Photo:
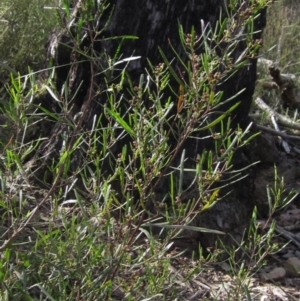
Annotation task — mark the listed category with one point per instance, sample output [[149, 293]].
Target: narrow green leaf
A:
[[216, 121], [121, 122], [182, 227], [172, 71]]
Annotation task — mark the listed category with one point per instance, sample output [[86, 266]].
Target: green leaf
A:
[[182, 227], [121, 122], [172, 71], [216, 121]]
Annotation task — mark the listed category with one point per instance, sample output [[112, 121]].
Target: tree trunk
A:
[[155, 24]]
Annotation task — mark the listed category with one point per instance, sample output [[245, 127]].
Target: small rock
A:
[[226, 267], [288, 255], [275, 274], [297, 253], [292, 266]]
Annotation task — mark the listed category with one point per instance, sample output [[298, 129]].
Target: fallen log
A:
[[283, 120]]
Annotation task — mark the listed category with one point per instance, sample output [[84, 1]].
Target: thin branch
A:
[[274, 132]]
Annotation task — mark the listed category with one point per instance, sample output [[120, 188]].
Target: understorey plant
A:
[[152, 124], [123, 171]]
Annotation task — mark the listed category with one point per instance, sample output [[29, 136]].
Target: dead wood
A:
[[281, 118], [276, 133], [286, 86], [283, 84]]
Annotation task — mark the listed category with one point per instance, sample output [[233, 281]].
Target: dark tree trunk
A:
[[155, 23]]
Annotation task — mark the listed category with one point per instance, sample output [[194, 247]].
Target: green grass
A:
[[25, 28]]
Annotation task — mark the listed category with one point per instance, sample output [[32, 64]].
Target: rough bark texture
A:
[[155, 23]]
